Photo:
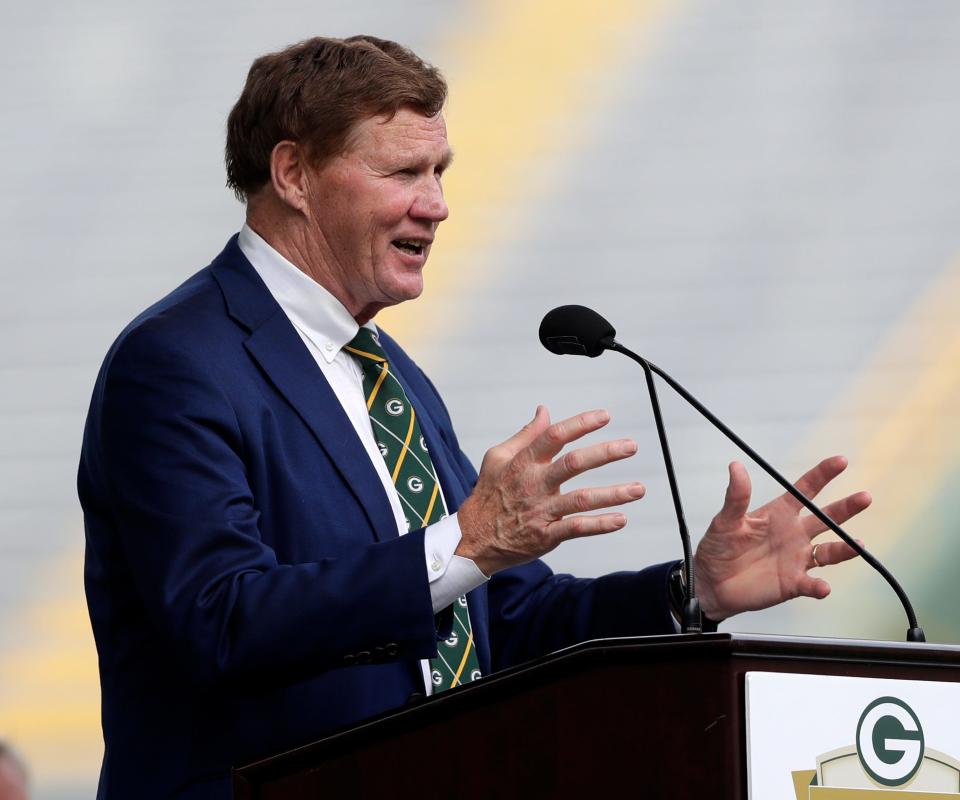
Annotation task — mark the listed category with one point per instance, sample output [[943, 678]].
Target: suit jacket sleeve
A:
[[534, 611]]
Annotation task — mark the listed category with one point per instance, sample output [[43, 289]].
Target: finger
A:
[[583, 459], [580, 500], [812, 481], [839, 511], [552, 440], [817, 588], [585, 525], [527, 434], [829, 553], [737, 499]]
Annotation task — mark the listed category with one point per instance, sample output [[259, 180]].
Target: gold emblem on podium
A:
[[888, 761]]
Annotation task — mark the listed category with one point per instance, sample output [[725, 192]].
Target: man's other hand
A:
[[517, 512], [756, 559]]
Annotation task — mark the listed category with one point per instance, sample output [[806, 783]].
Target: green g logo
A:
[[889, 741]]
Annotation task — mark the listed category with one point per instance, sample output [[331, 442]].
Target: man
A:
[[283, 536]]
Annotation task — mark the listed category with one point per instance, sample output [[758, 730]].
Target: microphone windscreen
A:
[[575, 331]]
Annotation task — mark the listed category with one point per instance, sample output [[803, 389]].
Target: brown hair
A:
[[314, 93]]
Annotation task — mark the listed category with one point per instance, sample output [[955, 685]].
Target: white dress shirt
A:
[[325, 327]]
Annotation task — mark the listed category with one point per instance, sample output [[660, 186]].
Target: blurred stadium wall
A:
[[762, 196]]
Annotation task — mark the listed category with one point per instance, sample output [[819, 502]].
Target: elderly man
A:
[[283, 536]]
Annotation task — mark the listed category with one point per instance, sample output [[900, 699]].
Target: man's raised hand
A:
[[517, 512], [749, 560]]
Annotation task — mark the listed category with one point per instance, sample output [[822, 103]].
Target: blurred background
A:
[[762, 196]]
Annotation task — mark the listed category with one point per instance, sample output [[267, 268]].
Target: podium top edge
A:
[[736, 642], [731, 646], [736, 637]]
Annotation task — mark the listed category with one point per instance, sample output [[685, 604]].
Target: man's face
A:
[[375, 210]]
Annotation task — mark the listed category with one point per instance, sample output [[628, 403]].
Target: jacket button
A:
[[392, 649]]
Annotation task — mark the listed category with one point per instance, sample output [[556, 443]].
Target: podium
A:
[[663, 716]]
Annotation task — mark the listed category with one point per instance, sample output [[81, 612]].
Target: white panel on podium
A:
[[824, 737]]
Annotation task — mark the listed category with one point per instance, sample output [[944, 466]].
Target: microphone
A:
[[576, 331], [581, 331], [591, 334]]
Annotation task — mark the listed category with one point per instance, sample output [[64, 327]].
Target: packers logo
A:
[[415, 484], [452, 640], [436, 677], [462, 600], [474, 674], [889, 756], [423, 445], [889, 741], [394, 406], [384, 450]]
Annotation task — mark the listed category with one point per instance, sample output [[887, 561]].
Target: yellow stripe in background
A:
[[529, 82], [904, 407], [49, 686], [899, 424]]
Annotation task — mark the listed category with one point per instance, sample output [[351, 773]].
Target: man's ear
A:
[[288, 174]]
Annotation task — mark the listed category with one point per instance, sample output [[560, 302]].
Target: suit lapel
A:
[[280, 352]]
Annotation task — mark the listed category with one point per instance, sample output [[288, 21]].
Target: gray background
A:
[[759, 196]]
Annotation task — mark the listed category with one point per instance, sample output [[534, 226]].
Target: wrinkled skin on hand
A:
[[517, 512], [749, 560]]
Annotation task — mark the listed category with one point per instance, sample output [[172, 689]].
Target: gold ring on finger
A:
[[813, 554]]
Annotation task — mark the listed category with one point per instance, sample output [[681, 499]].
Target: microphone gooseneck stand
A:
[[580, 331], [692, 621], [914, 632]]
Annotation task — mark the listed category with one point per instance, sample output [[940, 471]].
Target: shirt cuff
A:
[[450, 575]]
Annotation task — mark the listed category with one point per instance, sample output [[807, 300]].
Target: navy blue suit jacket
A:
[[246, 584]]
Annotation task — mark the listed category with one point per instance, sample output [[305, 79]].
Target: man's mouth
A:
[[414, 247]]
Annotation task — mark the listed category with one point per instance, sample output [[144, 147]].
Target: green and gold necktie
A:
[[398, 436]]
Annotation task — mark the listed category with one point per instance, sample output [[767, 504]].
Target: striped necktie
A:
[[398, 436]]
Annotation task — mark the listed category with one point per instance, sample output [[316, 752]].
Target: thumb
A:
[[737, 499]]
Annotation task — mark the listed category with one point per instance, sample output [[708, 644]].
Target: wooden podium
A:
[[663, 715]]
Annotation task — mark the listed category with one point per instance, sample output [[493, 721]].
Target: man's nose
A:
[[429, 203]]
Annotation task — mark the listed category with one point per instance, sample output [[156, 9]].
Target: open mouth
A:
[[414, 247]]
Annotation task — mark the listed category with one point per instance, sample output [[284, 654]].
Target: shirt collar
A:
[[315, 312]]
